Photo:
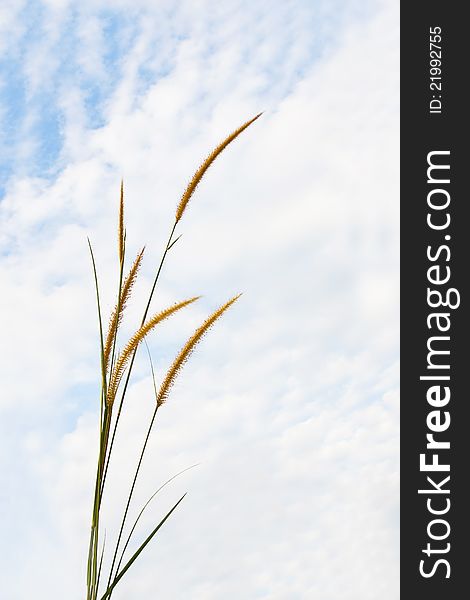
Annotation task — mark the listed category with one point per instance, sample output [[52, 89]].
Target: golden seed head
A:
[[199, 174], [124, 356], [117, 314], [187, 350], [121, 233]]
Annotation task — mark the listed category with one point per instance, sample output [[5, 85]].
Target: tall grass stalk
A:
[[116, 370]]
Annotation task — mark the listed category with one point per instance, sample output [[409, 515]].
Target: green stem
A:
[[92, 550], [131, 492], [126, 383], [121, 271]]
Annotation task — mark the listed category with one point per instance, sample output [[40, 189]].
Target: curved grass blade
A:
[[98, 303], [93, 547], [145, 506], [137, 553]]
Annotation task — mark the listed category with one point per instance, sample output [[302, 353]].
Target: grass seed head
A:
[[121, 233], [199, 174], [124, 356], [188, 349], [117, 314]]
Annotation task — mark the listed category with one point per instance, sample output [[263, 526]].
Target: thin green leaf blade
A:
[[137, 553], [145, 506]]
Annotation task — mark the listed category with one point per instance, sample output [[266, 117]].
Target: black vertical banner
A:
[[435, 274]]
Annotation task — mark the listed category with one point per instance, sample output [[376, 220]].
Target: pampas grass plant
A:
[[116, 371]]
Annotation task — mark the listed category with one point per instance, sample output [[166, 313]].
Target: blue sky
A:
[[40, 61], [30, 104], [291, 405]]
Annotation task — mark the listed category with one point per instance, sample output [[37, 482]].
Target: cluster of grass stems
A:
[[116, 369]]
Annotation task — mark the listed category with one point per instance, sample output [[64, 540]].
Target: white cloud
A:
[[290, 404]]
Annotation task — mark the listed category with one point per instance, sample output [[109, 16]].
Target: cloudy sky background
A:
[[291, 403]]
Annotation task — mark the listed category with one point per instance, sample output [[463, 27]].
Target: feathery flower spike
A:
[[199, 174], [124, 357], [187, 350], [121, 234], [117, 314]]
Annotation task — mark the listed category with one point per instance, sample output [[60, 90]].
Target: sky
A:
[[290, 404]]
